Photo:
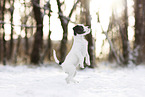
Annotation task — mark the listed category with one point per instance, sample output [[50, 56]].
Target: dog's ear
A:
[[75, 33], [75, 30], [78, 30]]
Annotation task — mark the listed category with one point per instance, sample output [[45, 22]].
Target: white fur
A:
[[55, 58], [76, 56]]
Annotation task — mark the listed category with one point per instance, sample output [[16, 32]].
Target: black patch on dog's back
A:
[[78, 30]]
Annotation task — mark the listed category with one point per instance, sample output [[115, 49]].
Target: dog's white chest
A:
[[80, 45]]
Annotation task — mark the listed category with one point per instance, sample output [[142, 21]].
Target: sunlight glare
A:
[[104, 7], [17, 17], [46, 26]]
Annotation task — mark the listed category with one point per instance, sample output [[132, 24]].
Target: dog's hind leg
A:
[[71, 75], [75, 81], [70, 78]]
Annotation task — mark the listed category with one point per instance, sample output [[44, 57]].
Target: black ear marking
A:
[[75, 28], [78, 30], [75, 33]]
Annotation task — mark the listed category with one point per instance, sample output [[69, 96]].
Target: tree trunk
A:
[[49, 39], [35, 55], [139, 31], [64, 23], [4, 41], [144, 27], [63, 46], [89, 37], [26, 32], [11, 41], [48, 49], [124, 35], [0, 32], [26, 42], [0, 46], [17, 49]]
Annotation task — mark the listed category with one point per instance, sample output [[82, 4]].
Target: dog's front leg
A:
[[87, 59], [87, 55], [81, 61]]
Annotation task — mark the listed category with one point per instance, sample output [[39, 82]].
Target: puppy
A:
[[78, 52]]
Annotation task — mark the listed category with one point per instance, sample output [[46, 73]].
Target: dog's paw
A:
[[71, 81], [75, 81], [82, 66], [88, 63], [67, 81]]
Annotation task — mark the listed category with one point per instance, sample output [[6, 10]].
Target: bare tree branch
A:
[[67, 18], [112, 48], [74, 6]]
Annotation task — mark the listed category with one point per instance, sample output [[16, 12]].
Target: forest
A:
[[31, 29]]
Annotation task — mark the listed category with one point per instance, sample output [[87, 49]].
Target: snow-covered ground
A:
[[22, 81]]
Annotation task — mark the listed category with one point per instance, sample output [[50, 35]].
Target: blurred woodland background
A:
[[31, 29]]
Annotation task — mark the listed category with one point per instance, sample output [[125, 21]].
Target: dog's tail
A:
[[55, 58]]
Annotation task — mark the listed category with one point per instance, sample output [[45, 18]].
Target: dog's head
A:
[[81, 30]]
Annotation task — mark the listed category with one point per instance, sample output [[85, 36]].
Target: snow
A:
[[48, 81]]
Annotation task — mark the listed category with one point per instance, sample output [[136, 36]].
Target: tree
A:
[[11, 41], [64, 23], [144, 27], [4, 41], [49, 43], [123, 27], [0, 32], [113, 52], [48, 49], [35, 55], [26, 32], [139, 30]]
